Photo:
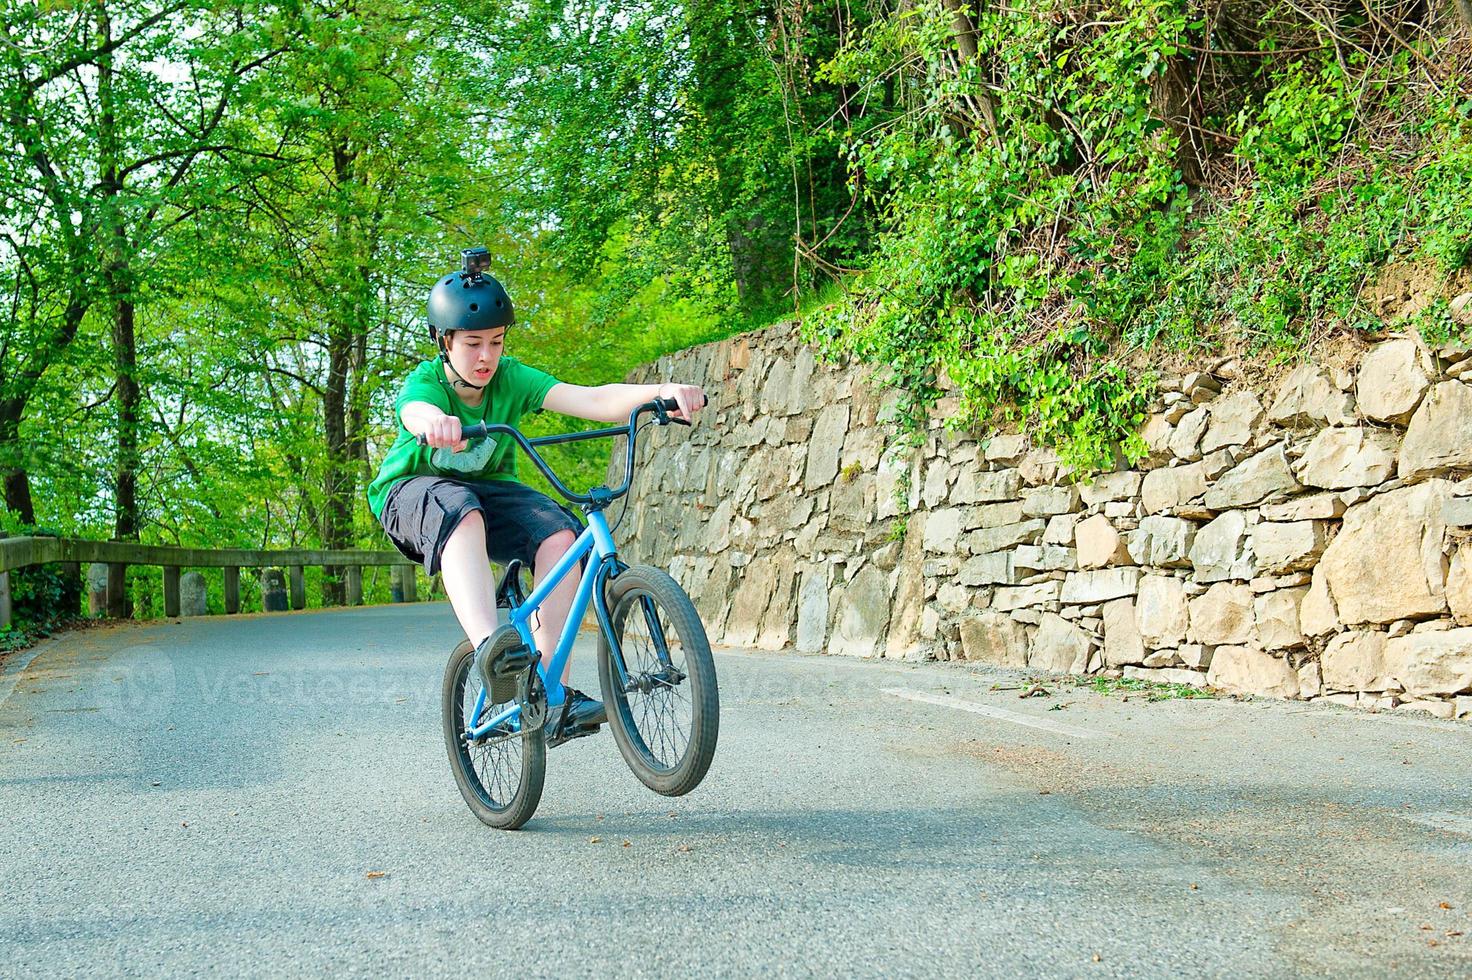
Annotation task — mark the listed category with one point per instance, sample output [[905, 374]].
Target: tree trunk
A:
[[125, 359], [980, 103], [13, 408], [758, 264], [759, 246], [18, 496], [1170, 94], [17, 481], [339, 477], [117, 280]]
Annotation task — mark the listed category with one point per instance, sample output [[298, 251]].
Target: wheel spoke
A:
[[658, 702], [496, 761], [661, 709]]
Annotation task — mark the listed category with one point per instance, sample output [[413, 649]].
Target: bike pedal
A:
[[568, 734], [510, 663], [504, 672]]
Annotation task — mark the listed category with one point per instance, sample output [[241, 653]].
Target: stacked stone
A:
[[1304, 545], [771, 512]]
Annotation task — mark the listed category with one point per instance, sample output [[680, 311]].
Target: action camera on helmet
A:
[[475, 261]]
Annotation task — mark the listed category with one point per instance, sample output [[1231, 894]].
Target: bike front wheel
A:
[[662, 701], [500, 775]]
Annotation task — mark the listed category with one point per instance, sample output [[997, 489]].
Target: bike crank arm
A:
[[497, 740]]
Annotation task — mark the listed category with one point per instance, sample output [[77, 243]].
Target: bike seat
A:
[[509, 593]]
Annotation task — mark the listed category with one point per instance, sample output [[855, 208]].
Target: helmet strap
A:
[[459, 381]]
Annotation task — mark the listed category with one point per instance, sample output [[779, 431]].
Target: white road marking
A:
[[1454, 823], [1002, 714]]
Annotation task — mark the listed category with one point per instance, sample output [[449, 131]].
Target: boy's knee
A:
[[556, 546], [472, 522]]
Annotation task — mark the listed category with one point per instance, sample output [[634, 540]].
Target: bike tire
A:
[[666, 768], [508, 802]]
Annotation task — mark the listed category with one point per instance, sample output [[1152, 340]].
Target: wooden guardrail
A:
[[118, 555]]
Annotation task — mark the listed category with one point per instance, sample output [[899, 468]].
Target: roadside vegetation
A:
[[217, 219]]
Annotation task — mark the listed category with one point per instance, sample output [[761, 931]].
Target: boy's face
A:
[[474, 354]]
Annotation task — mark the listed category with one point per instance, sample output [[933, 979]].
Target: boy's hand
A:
[[444, 433], [690, 398]]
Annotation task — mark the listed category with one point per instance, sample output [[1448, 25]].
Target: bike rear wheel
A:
[[500, 776], [663, 707]]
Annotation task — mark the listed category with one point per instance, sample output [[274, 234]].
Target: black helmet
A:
[[468, 301]]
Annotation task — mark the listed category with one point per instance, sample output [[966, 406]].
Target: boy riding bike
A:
[[455, 507]]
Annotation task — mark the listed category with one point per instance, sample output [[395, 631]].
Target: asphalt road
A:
[[268, 794]]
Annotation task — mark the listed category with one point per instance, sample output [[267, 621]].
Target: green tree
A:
[[371, 106], [688, 144], [119, 109]]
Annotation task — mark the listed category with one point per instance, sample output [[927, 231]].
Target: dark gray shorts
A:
[[422, 511]]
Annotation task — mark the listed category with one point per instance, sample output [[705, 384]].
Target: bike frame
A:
[[595, 540]]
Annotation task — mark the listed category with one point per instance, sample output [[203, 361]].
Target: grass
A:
[[1153, 690], [1034, 687]]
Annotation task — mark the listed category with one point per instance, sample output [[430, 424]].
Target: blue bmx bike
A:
[[654, 663]]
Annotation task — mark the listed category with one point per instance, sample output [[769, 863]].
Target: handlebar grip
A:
[[476, 431], [669, 404]]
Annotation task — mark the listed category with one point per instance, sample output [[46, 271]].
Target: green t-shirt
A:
[[514, 391]]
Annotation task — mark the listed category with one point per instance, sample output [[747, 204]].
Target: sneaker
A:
[[581, 711]]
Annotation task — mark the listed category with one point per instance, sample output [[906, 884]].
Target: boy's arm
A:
[[613, 403]]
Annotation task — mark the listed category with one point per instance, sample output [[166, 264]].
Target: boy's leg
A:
[[468, 580], [583, 714], [440, 522], [554, 609], [526, 525]]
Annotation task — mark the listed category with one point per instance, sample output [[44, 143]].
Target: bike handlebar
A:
[[661, 407]]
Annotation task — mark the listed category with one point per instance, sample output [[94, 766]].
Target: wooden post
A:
[[298, 588], [171, 591], [117, 590], [355, 585], [404, 574], [232, 590], [4, 600]]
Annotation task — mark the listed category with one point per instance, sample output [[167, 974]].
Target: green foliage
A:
[[1436, 324], [1439, 198], [1300, 125], [1087, 413], [1043, 215], [43, 598], [973, 274], [1008, 209], [665, 134]]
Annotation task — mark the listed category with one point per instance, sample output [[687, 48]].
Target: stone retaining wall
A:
[[1306, 542]]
